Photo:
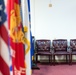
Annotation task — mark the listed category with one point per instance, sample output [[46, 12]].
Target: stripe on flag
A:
[[4, 51], [31, 39]]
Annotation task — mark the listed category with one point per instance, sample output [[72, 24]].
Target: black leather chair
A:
[[73, 47], [60, 48], [43, 47]]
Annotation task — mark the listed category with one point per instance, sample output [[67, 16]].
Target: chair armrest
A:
[[52, 49], [35, 49], [69, 49]]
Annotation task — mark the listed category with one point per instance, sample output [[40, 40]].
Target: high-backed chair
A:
[[73, 47], [43, 48], [60, 48]]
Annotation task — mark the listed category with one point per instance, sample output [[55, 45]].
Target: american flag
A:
[[4, 51]]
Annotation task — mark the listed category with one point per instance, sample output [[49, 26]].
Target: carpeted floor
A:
[[55, 70]]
